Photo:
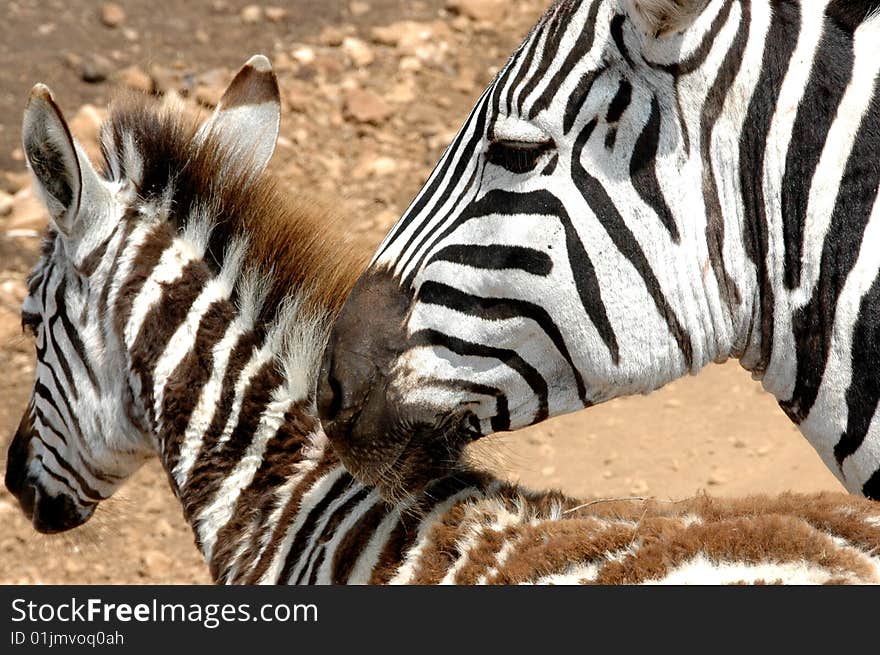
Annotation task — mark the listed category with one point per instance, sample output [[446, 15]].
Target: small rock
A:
[[155, 564], [639, 487], [95, 68], [275, 14], [165, 80], [135, 78], [607, 474], [210, 87], [251, 14], [304, 55], [28, 212], [298, 97], [716, 479], [358, 51], [331, 36], [482, 10], [365, 106], [359, 8], [201, 36], [14, 181], [112, 15], [548, 471], [130, 34]]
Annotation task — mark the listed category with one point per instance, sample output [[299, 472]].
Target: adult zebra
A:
[[648, 186], [180, 307]]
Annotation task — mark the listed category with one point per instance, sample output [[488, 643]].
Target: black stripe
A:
[[73, 336], [305, 532], [864, 389], [525, 63], [643, 171], [428, 234], [831, 74], [781, 40], [606, 213], [578, 97], [496, 257], [543, 203], [433, 193], [501, 309], [871, 488], [91, 493], [510, 358], [583, 45], [617, 34], [849, 14], [620, 103], [712, 109], [501, 420], [310, 572], [64, 481], [813, 324], [559, 23], [184, 386]]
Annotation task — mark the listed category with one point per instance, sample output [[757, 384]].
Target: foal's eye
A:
[[30, 322], [517, 156]]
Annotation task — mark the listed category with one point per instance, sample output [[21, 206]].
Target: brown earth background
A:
[[372, 91]]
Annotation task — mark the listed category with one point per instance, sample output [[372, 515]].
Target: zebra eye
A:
[[517, 156], [30, 322]]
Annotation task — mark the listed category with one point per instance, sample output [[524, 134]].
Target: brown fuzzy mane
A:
[[295, 239]]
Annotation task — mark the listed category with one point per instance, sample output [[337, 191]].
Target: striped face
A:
[[616, 212], [78, 439], [556, 258], [80, 435]]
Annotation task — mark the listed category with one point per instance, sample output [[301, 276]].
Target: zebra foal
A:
[[180, 308]]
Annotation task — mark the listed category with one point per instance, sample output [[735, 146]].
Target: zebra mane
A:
[[294, 242]]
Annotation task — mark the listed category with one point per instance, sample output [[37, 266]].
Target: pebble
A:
[[482, 10], [358, 51], [95, 68], [135, 78], [304, 55], [275, 14], [716, 479], [359, 8], [251, 14], [28, 213], [112, 15], [639, 487], [364, 106], [331, 36], [155, 564]]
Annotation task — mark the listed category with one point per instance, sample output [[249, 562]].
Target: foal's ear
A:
[[658, 18], [52, 158], [248, 115], [63, 175]]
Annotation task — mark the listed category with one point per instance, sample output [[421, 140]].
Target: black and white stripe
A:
[[692, 194]]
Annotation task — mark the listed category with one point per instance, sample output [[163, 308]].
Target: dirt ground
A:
[[369, 104]]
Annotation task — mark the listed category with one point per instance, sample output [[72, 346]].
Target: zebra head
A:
[[568, 248], [87, 426]]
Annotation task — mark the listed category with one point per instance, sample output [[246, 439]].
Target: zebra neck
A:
[[227, 400]]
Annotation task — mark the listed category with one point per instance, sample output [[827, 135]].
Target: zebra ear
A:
[[658, 18], [248, 116], [51, 156], [63, 175]]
